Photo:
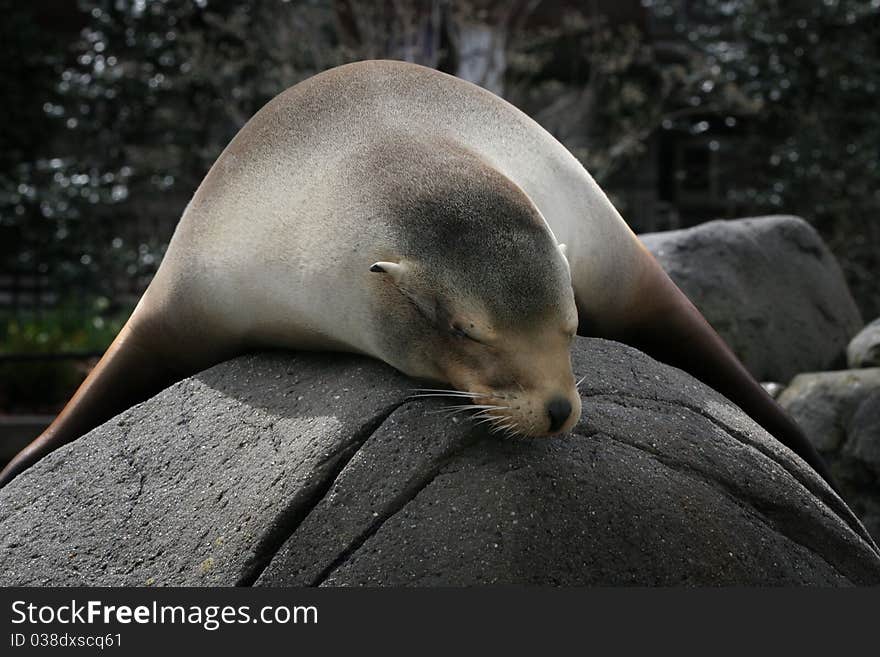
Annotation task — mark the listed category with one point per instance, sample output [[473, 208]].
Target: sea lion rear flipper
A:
[[133, 368], [662, 322]]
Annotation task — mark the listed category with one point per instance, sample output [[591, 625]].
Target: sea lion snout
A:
[[563, 410], [558, 410], [526, 411]]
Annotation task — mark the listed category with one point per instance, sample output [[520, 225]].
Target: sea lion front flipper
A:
[[661, 321]]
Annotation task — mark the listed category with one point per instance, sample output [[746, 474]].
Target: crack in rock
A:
[[307, 498], [816, 488], [729, 493], [391, 509], [395, 464]]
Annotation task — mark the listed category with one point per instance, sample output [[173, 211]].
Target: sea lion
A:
[[388, 209]]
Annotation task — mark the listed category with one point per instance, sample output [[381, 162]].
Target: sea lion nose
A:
[[559, 410]]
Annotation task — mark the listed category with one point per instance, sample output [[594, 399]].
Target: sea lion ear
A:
[[410, 287], [564, 251], [393, 269]]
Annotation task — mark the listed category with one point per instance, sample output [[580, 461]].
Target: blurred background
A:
[[683, 110]]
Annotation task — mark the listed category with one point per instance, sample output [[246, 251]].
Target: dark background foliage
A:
[[684, 110]]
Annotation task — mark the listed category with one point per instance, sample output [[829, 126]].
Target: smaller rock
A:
[[864, 432], [863, 447], [840, 413], [864, 349], [823, 403], [770, 287]]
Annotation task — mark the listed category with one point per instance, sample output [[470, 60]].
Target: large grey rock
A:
[[313, 469], [769, 286], [194, 485], [864, 349], [840, 413]]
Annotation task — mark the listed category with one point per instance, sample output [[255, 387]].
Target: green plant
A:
[[32, 384]]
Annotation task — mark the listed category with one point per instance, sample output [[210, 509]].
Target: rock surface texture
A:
[[769, 286], [840, 413], [316, 469], [864, 349]]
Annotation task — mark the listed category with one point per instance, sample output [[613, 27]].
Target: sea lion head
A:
[[477, 294]]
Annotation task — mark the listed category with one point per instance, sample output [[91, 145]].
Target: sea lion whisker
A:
[[490, 407], [483, 415], [451, 393], [490, 418], [509, 431], [445, 391], [424, 395], [455, 410], [501, 422], [457, 407], [508, 425], [498, 428], [445, 411]]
